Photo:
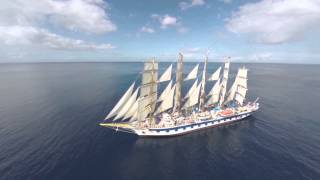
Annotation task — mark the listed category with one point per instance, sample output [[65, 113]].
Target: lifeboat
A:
[[226, 112]]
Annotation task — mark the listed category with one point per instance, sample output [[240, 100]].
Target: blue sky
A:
[[118, 30]]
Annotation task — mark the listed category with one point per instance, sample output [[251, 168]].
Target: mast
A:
[[224, 83], [148, 91], [179, 84], [203, 86]]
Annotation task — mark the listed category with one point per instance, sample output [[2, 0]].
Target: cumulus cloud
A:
[[184, 5], [26, 35], [165, 20], [23, 22], [169, 21], [77, 15], [147, 29], [276, 21]]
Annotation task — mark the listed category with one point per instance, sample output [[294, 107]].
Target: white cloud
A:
[[276, 21], [186, 5], [23, 22], [77, 15], [147, 29], [28, 35], [194, 52], [169, 21]]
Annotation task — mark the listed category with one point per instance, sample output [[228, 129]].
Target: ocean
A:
[[50, 114]]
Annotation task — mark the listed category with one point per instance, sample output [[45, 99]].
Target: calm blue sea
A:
[[49, 115]]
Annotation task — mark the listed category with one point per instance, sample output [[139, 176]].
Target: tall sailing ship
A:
[[142, 112]]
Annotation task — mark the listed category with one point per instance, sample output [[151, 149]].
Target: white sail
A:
[[146, 106], [242, 82], [165, 92], [215, 89], [232, 91], [239, 99], [239, 87], [215, 76], [243, 72], [193, 73], [193, 88], [125, 108], [134, 117], [167, 103], [166, 76], [242, 91], [133, 110], [215, 95], [148, 90], [193, 98], [121, 102]]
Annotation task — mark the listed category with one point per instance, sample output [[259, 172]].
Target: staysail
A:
[[193, 88], [193, 98], [148, 90], [193, 73], [167, 102], [165, 92], [133, 110], [214, 93], [125, 108], [166, 76], [121, 102], [215, 76]]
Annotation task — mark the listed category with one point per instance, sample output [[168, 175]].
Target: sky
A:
[[277, 31]]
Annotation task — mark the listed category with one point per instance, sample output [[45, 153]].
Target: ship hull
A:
[[185, 129]]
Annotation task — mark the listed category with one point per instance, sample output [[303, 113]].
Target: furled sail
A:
[[215, 76], [167, 102], [192, 89], [193, 98], [193, 74], [125, 108], [214, 93], [166, 76], [148, 90], [224, 83], [165, 92], [121, 102]]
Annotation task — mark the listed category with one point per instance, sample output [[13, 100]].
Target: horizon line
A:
[[165, 61]]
